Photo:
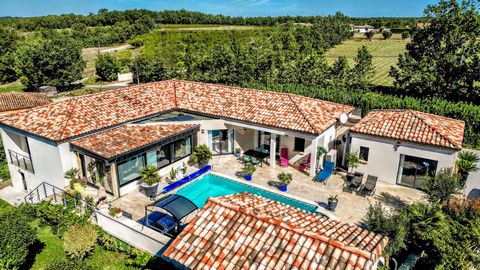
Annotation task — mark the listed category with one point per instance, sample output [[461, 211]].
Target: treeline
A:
[[286, 54], [367, 100], [110, 18], [389, 22]]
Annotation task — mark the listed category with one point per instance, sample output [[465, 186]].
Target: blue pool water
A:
[[211, 185]]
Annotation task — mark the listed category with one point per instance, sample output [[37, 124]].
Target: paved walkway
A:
[[351, 207], [12, 195]]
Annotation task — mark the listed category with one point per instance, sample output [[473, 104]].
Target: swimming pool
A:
[[212, 185]]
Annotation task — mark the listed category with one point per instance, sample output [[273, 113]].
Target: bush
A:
[[79, 240], [405, 35], [201, 154], [60, 264], [16, 239], [145, 70], [386, 34], [150, 175], [58, 217], [107, 67], [442, 186], [285, 178], [106, 241], [138, 258], [369, 34]]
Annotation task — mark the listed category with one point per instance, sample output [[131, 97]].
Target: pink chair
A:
[[305, 164], [284, 157]]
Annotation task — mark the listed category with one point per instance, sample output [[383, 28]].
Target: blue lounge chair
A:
[[325, 174]]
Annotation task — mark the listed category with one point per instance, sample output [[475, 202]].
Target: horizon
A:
[[232, 8]]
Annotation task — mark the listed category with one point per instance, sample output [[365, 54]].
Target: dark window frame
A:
[[362, 155], [298, 144]]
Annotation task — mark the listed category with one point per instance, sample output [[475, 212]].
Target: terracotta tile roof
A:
[[17, 100], [414, 126], [114, 142], [63, 120], [246, 231]]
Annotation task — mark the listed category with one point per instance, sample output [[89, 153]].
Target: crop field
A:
[[385, 54]]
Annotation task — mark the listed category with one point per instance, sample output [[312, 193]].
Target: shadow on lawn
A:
[[33, 251]]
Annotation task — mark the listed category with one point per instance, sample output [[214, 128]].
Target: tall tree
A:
[[363, 69], [8, 42], [442, 59], [107, 67], [56, 62]]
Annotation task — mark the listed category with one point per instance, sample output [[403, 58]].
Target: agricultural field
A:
[[385, 54], [203, 27]]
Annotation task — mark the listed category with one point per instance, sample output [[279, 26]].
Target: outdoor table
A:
[[257, 154]]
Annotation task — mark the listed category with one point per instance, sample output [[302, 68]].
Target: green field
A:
[[385, 54], [17, 87]]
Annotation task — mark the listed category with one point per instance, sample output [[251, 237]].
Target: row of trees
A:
[[110, 18]]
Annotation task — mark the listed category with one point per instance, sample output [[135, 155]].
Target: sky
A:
[[245, 8]]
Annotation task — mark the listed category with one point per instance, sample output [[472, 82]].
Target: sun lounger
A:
[[325, 174], [355, 183], [370, 184]]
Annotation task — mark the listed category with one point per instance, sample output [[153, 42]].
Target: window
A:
[[299, 145], [129, 170], [364, 153], [182, 148]]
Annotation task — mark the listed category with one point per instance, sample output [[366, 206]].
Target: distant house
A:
[[13, 102], [362, 28], [423, 25], [402, 146]]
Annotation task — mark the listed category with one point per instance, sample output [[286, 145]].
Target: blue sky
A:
[[356, 8]]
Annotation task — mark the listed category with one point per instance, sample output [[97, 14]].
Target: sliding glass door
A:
[[412, 170], [221, 141], [264, 141]]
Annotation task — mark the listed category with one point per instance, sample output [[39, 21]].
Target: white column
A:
[[273, 146], [313, 158]]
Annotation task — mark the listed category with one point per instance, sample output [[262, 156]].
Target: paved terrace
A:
[[351, 207]]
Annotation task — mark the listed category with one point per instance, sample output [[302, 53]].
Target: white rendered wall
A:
[[383, 160]]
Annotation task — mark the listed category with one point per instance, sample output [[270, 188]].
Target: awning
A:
[[177, 205], [131, 139]]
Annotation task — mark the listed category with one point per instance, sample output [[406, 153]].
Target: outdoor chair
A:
[[325, 174], [284, 157], [306, 164], [370, 184], [247, 159], [355, 183], [255, 161]]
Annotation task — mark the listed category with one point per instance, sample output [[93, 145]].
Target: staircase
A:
[[46, 191]]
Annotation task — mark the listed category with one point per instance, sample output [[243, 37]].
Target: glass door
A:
[[96, 172], [221, 141], [412, 170], [264, 141]]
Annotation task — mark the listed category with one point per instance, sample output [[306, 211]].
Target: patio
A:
[[351, 207]]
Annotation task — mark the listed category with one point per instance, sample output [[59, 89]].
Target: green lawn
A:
[[17, 87], [385, 54], [53, 249]]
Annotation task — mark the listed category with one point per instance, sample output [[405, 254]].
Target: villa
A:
[[111, 135]]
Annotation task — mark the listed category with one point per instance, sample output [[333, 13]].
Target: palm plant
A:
[[353, 160], [467, 163], [201, 154], [150, 175], [469, 156]]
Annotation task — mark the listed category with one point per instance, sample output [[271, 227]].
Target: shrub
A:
[[79, 240], [105, 240], [369, 34], [352, 159], [285, 178], [405, 35], [107, 67], [16, 239], [201, 154], [386, 34], [249, 169], [150, 175], [138, 258], [442, 186], [61, 264]]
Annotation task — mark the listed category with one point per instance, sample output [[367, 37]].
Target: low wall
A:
[[133, 233]]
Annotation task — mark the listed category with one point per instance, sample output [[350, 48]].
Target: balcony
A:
[[21, 161]]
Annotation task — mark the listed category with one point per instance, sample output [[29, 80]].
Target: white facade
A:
[[384, 156]]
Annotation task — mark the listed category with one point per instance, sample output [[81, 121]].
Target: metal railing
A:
[[21, 161]]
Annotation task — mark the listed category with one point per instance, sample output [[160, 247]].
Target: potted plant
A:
[[184, 169], [115, 212], [238, 152], [201, 155], [353, 160], [73, 175], [173, 174], [332, 202], [150, 179], [285, 179], [248, 170]]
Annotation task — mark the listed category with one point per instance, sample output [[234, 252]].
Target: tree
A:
[[8, 42], [340, 72], [56, 62], [107, 67], [405, 35], [363, 69], [467, 163], [442, 60], [369, 35], [147, 69], [387, 34], [16, 239], [442, 186], [352, 159]]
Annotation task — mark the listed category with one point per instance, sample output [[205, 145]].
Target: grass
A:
[[385, 55], [53, 249], [16, 87]]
